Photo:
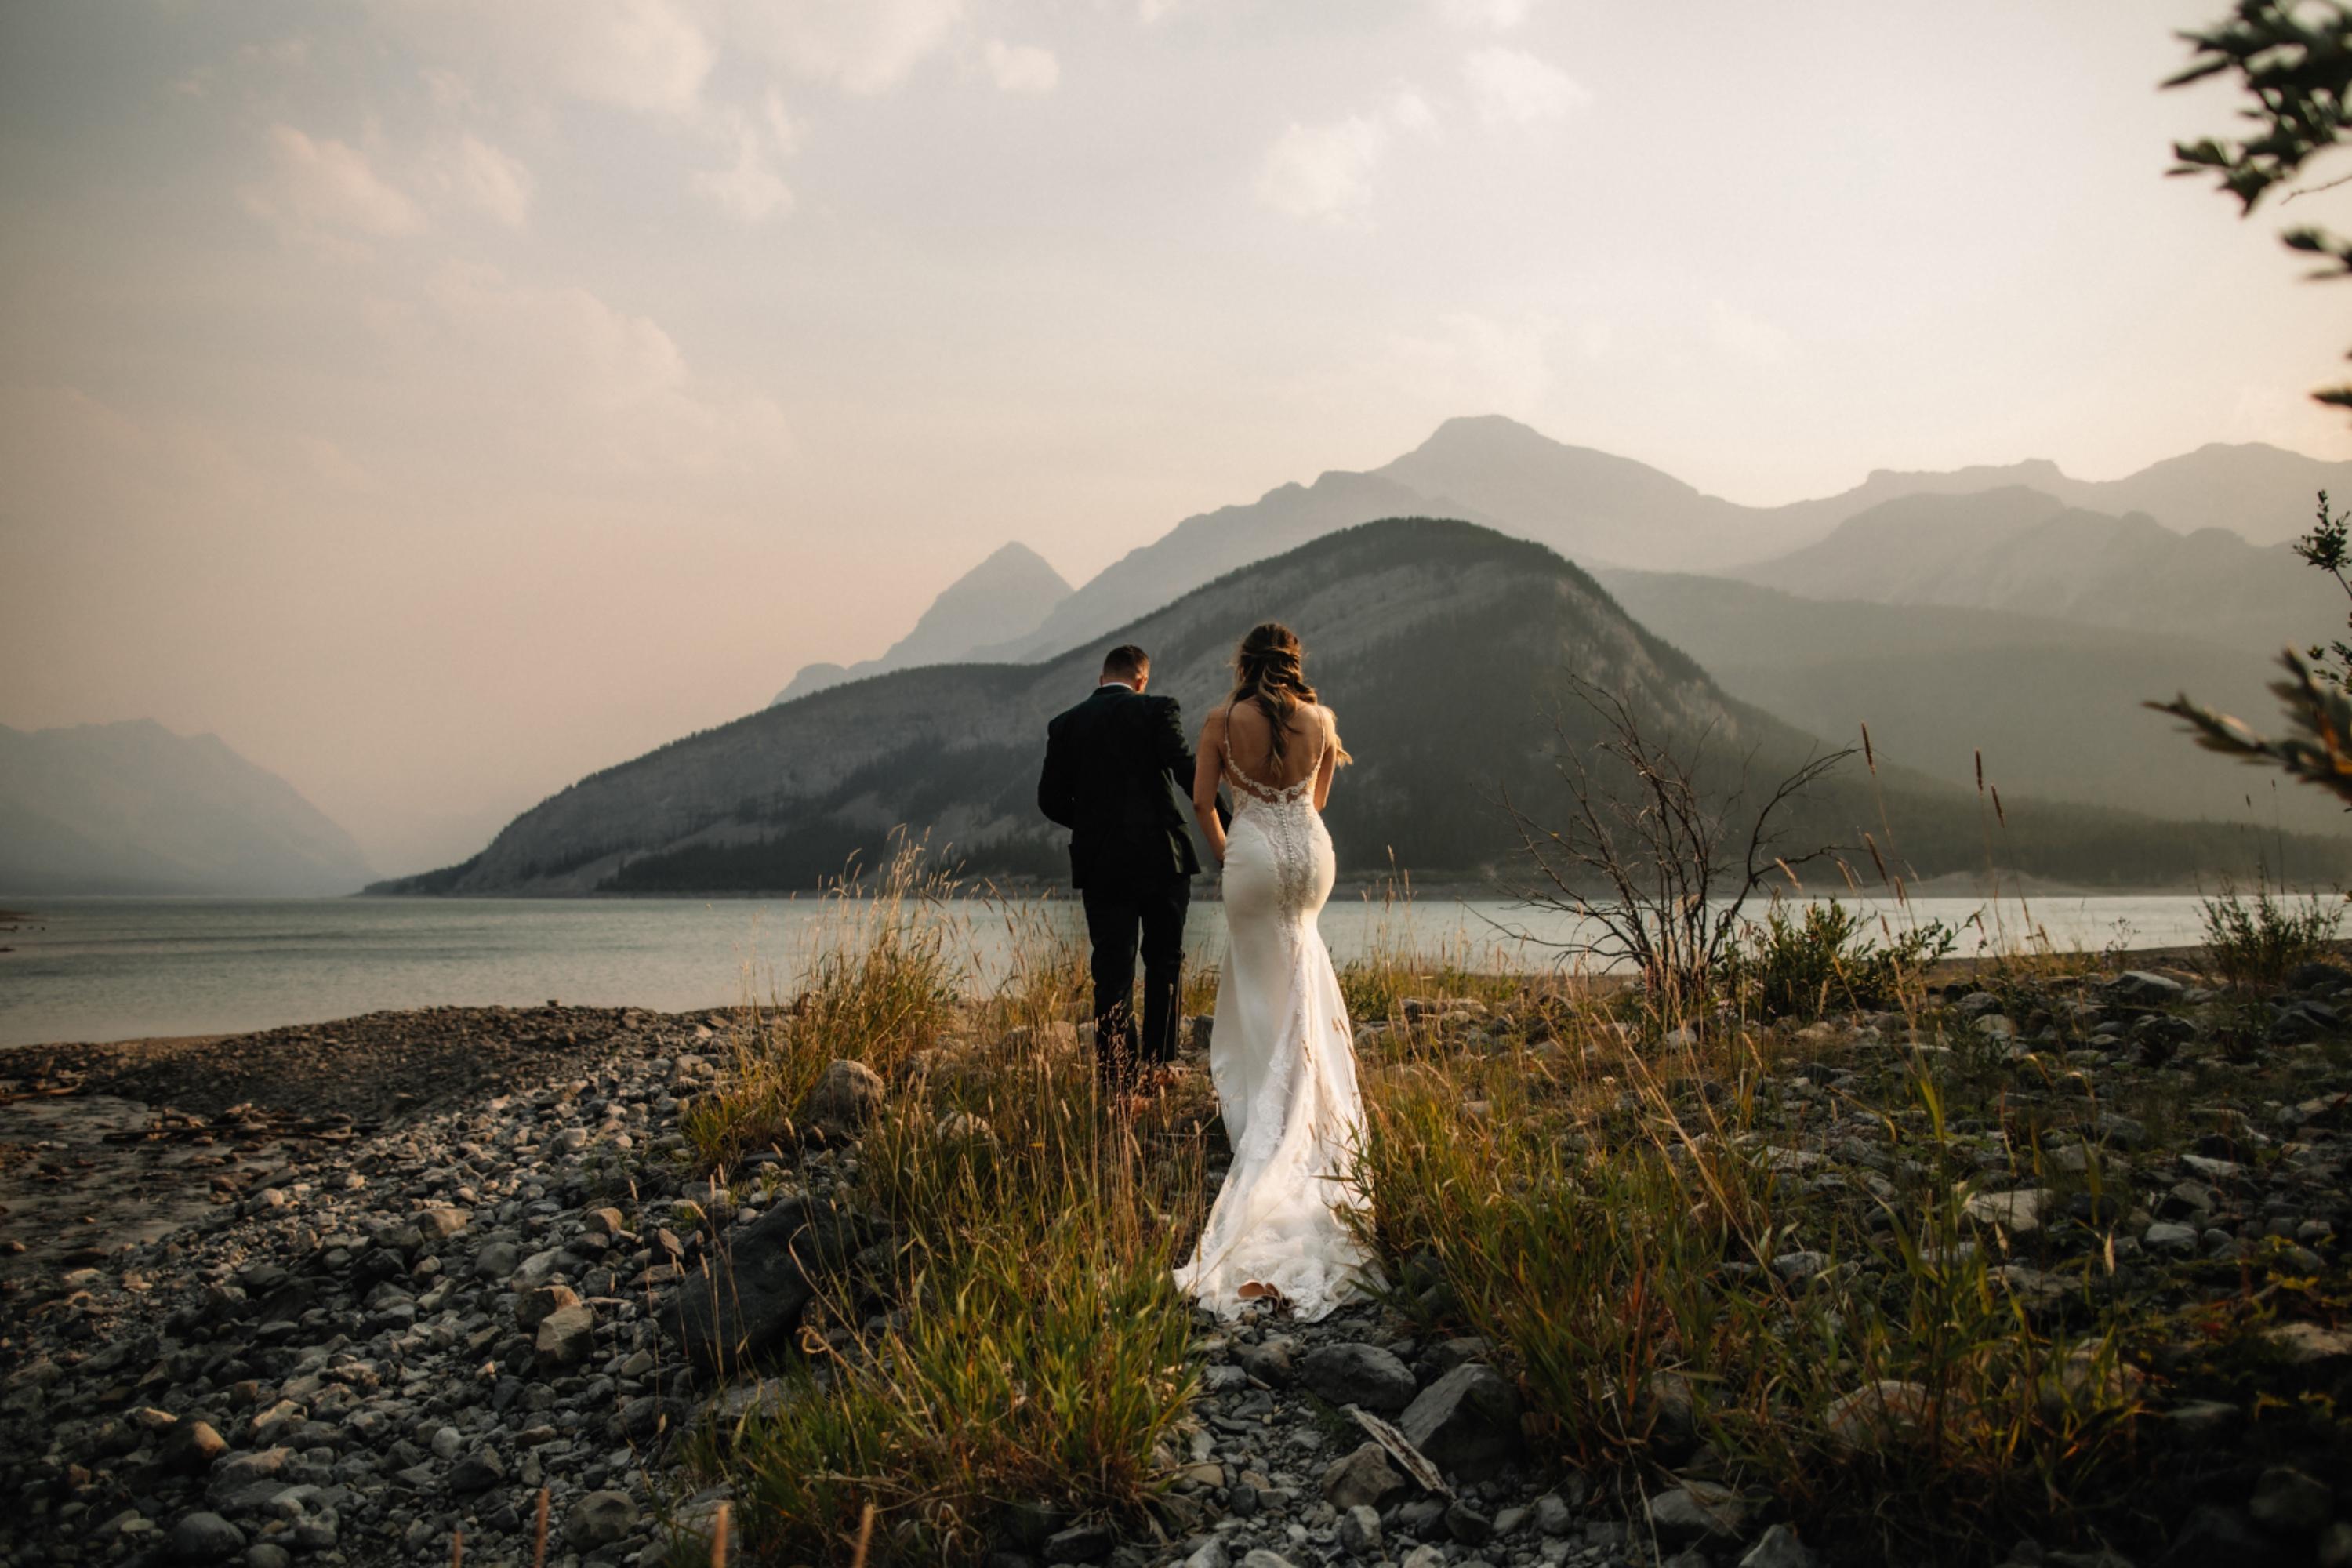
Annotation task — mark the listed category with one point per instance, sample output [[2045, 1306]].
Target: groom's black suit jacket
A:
[[1108, 764]]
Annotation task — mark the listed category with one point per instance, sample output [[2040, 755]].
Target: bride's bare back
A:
[[1239, 738], [1249, 743]]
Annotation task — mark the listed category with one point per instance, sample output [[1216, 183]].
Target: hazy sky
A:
[[439, 401]]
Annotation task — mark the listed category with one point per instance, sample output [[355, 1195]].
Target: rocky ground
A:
[[337, 1295]]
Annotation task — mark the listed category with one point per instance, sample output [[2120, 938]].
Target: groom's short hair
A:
[[1127, 662]]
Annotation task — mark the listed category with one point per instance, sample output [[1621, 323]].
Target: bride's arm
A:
[[1333, 755], [1207, 765]]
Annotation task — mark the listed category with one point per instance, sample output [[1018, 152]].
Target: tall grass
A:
[[2253, 942], [1661, 1276], [1028, 1344], [883, 970]]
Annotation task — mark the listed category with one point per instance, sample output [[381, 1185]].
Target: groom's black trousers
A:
[[1116, 916]]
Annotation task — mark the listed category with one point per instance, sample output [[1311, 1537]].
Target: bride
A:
[[1280, 1054]]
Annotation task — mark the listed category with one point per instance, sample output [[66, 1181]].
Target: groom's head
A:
[[1126, 664]]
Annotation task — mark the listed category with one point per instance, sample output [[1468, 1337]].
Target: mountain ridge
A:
[[1446, 649], [132, 807]]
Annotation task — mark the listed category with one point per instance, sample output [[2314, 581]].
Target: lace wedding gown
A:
[[1283, 1059]]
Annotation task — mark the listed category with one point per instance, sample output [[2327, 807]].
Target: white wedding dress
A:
[[1283, 1059]]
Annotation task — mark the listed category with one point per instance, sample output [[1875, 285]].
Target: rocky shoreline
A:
[[338, 1294]]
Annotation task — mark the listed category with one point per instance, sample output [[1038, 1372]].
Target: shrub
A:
[[1803, 966], [2256, 942], [882, 973]]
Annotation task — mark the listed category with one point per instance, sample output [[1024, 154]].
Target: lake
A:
[[109, 969]]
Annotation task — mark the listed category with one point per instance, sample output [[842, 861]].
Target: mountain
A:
[[2262, 493], [2052, 706], [1007, 594], [1448, 651], [2020, 550], [1207, 546], [133, 809], [1600, 510]]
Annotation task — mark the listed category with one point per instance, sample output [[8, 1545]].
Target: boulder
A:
[[535, 1306], [1466, 1420], [203, 1537], [567, 1336], [2019, 1213], [1780, 1548], [1274, 1360], [1359, 1373], [477, 1471], [1362, 1478], [2145, 988], [599, 1519], [1698, 1511], [1877, 1414], [2291, 1502], [749, 1303], [1359, 1531], [846, 1097]]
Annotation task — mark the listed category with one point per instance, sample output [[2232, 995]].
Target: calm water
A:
[[107, 969]]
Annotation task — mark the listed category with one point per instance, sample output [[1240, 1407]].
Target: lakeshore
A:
[[109, 969], [340, 1292]]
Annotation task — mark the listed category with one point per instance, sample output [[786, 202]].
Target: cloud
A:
[[564, 388], [1323, 171], [1326, 170], [749, 190], [862, 47], [1499, 15], [1020, 68], [648, 57], [484, 178], [1512, 87], [1747, 337], [326, 184]]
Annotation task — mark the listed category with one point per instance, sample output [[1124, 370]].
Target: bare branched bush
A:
[[1656, 868]]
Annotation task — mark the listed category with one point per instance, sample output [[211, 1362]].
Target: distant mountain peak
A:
[[1007, 595]]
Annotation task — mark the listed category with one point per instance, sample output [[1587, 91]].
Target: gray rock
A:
[[747, 1306], [1259, 1557], [1877, 1414], [267, 1554], [2166, 1236], [1210, 1553], [496, 1261], [191, 1447], [535, 1306], [1699, 1511], [1467, 1525], [1780, 1548], [2019, 1213], [2287, 1500], [1419, 1557], [2145, 988], [848, 1096], [205, 1538], [1553, 1516], [1359, 1531], [599, 1519], [1359, 1375], [477, 1471], [1466, 1420], [1273, 1360], [1080, 1542], [567, 1336], [1364, 1477]]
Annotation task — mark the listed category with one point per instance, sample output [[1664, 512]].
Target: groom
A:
[[1108, 764]]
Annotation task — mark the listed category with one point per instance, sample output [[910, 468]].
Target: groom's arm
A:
[[1176, 756], [1056, 797]]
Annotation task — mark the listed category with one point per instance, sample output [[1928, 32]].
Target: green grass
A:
[[1603, 1205], [2253, 942]]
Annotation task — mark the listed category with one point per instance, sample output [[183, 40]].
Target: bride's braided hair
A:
[[1270, 671]]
